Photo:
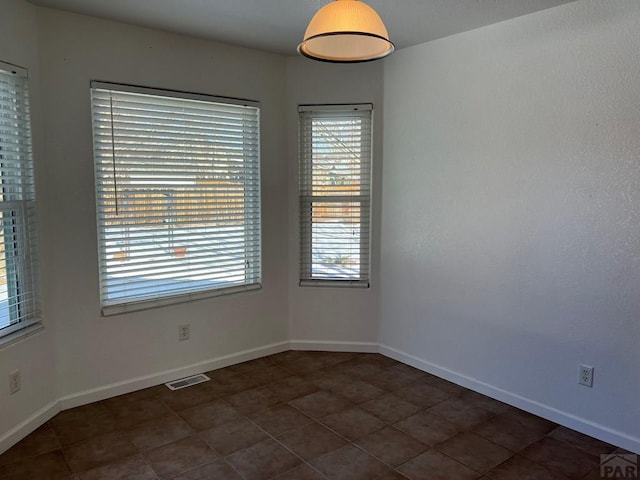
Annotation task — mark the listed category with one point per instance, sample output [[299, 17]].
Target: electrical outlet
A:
[[586, 376], [184, 331], [14, 382]]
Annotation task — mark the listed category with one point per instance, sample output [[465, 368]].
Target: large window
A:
[[178, 196], [335, 194], [19, 305]]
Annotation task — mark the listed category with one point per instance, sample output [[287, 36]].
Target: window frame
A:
[[24, 277], [306, 201], [171, 298]]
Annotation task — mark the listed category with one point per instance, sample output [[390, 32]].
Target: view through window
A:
[[19, 306], [335, 172], [178, 188]]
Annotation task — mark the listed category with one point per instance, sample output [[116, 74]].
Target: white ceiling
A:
[[278, 25]]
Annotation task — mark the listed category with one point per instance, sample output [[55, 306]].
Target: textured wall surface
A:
[[34, 355], [511, 213], [319, 314], [510, 248], [94, 351]]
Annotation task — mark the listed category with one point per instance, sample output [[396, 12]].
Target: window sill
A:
[[335, 283], [121, 308], [19, 335]]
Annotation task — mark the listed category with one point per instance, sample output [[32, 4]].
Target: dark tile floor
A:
[[304, 416]]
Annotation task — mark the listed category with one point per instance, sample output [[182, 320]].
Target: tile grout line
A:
[[323, 367]]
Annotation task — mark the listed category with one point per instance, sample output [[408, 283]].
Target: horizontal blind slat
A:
[[335, 194], [19, 261], [178, 187]]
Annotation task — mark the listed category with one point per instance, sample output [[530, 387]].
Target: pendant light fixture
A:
[[346, 31]]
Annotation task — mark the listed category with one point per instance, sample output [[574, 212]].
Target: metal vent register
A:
[[187, 382]]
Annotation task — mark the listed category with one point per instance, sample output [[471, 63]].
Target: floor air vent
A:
[[187, 382]]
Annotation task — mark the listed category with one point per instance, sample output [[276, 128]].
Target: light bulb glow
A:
[[346, 31]]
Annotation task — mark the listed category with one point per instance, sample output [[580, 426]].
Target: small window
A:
[[335, 194], [178, 196], [19, 282]]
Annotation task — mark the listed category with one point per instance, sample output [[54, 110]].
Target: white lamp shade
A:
[[346, 31]]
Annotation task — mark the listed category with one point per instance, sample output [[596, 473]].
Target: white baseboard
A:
[[333, 346], [131, 385], [43, 415], [574, 422], [24, 428], [583, 425]]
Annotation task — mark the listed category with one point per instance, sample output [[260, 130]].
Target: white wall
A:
[[34, 355], [96, 352], [510, 234], [98, 357], [332, 318], [511, 219]]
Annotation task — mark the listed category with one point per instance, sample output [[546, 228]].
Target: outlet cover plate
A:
[[183, 332], [585, 376], [14, 382]]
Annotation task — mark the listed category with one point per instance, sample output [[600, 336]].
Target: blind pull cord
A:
[[113, 153]]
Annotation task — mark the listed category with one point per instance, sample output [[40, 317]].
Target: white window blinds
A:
[[178, 194], [19, 299], [335, 194]]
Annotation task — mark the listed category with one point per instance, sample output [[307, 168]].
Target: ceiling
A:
[[278, 25]]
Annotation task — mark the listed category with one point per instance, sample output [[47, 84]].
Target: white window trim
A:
[[109, 309], [30, 326], [140, 305], [123, 87], [304, 252]]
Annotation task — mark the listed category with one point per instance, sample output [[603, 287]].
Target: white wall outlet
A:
[[586, 376], [15, 383], [184, 331]]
